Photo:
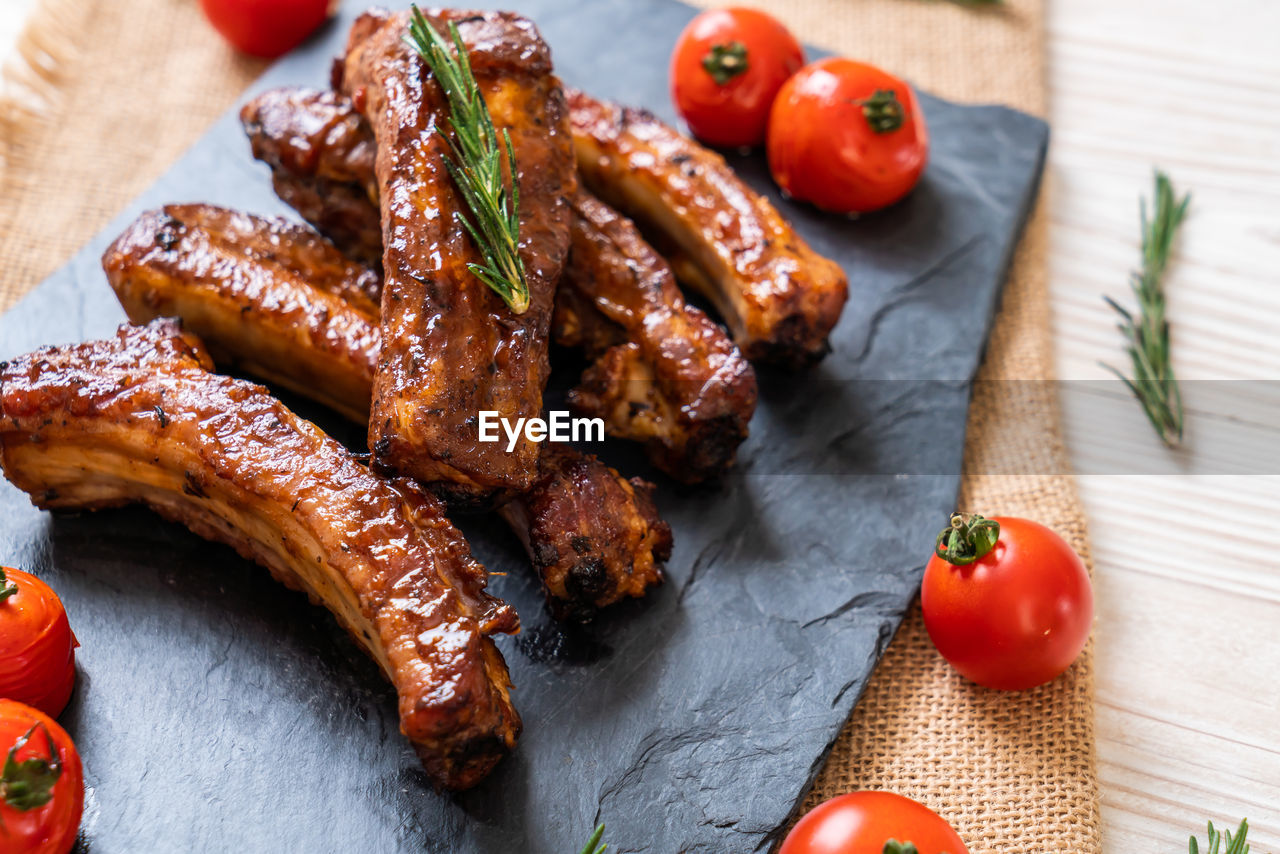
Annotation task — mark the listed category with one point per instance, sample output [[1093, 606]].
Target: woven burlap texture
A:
[[124, 87]]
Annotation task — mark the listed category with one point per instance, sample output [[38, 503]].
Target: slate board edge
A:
[[773, 839]]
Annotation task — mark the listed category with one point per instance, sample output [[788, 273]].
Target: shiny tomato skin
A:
[[37, 647], [823, 150], [736, 112], [48, 829], [862, 822], [1018, 616], [265, 28]]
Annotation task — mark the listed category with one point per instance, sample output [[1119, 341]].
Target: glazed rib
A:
[[139, 418], [321, 153], [593, 536], [260, 292], [663, 373], [451, 347], [327, 177], [779, 297]]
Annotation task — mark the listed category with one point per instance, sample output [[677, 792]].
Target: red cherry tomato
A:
[[847, 137], [266, 28], [41, 783], [1017, 615], [37, 648], [726, 68], [867, 822]]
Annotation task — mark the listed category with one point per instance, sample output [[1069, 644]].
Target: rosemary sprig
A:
[[1147, 334], [1235, 844], [476, 164], [593, 845]]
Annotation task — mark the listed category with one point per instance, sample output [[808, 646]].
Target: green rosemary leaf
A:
[[1146, 331], [1235, 843], [475, 164], [593, 845]]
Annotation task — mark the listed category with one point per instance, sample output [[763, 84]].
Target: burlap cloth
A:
[[112, 92]]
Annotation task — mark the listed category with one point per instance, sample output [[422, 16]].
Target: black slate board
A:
[[217, 712]]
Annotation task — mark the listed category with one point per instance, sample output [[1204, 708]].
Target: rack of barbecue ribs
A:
[[450, 346], [663, 373], [139, 418], [779, 297], [593, 536]]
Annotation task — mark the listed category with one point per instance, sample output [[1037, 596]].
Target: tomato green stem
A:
[[726, 61], [966, 539], [893, 846], [7, 587], [28, 784], [883, 111]]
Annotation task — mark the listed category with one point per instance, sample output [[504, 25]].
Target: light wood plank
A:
[[1188, 637]]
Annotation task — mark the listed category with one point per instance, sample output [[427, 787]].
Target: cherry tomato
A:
[[727, 66], [1019, 609], [266, 28], [41, 783], [847, 137], [871, 823], [37, 648]]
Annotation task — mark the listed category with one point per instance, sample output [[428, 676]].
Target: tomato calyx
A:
[[7, 587], [28, 784], [893, 846], [726, 61], [883, 111], [966, 539]]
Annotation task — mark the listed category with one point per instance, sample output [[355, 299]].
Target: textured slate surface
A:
[[216, 711]]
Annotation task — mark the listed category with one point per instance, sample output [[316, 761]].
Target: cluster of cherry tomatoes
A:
[[840, 134], [41, 781]]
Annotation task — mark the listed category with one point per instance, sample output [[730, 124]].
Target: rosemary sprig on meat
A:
[[476, 164], [1235, 842], [1147, 333]]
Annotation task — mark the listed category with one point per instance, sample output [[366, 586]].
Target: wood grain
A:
[[1188, 584]]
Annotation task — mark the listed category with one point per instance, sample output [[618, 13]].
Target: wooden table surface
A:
[[1188, 578], [1188, 582]]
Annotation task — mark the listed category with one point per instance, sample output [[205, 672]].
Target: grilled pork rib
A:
[[139, 418], [593, 536], [317, 136], [779, 297], [664, 374], [451, 348], [260, 293]]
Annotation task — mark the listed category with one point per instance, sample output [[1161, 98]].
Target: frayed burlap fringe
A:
[[33, 74]]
